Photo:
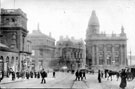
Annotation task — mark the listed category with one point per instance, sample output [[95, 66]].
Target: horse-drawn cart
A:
[[130, 72]]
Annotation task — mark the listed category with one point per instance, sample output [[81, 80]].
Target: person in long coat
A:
[[35, 74], [80, 75], [1, 75], [43, 75], [27, 75], [84, 76], [99, 76], [13, 75], [123, 82], [77, 75], [38, 75], [53, 74]]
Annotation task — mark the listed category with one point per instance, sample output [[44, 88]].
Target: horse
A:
[[112, 73]]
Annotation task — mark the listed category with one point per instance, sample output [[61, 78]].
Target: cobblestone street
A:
[[67, 80]]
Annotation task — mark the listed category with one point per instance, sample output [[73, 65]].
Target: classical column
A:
[[93, 55], [97, 56], [105, 61], [125, 54], [121, 54], [113, 56]]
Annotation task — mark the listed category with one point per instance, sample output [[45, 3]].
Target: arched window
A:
[[1, 59], [7, 59]]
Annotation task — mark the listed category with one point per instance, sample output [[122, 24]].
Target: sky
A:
[[70, 17]]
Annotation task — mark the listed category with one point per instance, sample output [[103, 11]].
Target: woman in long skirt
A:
[[99, 76], [123, 82]]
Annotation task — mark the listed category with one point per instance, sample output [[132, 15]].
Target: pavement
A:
[[9, 80], [67, 80]]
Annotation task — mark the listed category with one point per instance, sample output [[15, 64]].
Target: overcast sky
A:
[[70, 17]]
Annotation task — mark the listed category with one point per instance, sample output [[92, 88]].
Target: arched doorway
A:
[[1, 63]]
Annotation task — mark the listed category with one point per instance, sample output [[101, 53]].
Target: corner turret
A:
[[122, 32]]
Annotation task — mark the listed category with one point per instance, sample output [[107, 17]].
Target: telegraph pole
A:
[[130, 57]]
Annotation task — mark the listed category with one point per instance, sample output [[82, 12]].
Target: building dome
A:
[[93, 19]]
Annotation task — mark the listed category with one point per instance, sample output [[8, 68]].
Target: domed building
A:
[[104, 50]]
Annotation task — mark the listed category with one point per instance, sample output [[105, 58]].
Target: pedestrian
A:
[[123, 82], [31, 74], [80, 75], [53, 74], [43, 75], [77, 75], [84, 76], [35, 74], [27, 75], [105, 71], [13, 75], [1, 75], [17, 75], [38, 75], [99, 76]]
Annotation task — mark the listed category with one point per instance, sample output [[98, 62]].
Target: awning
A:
[[4, 47]]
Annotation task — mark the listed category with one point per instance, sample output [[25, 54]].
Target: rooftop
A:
[[13, 12]]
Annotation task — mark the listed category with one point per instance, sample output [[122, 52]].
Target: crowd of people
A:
[[122, 74], [26, 75], [80, 75], [109, 73]]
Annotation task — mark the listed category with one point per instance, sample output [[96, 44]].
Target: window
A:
[[117, 60], [116, 48], [101, 58], [108, 60]]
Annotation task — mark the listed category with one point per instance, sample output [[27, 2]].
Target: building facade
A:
[[70, 53], [13, 30], [43, 48], [105, 50]]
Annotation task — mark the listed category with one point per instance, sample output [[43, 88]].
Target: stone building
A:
[[13, 31], [70, 53], [105, 50], [43, 48]]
